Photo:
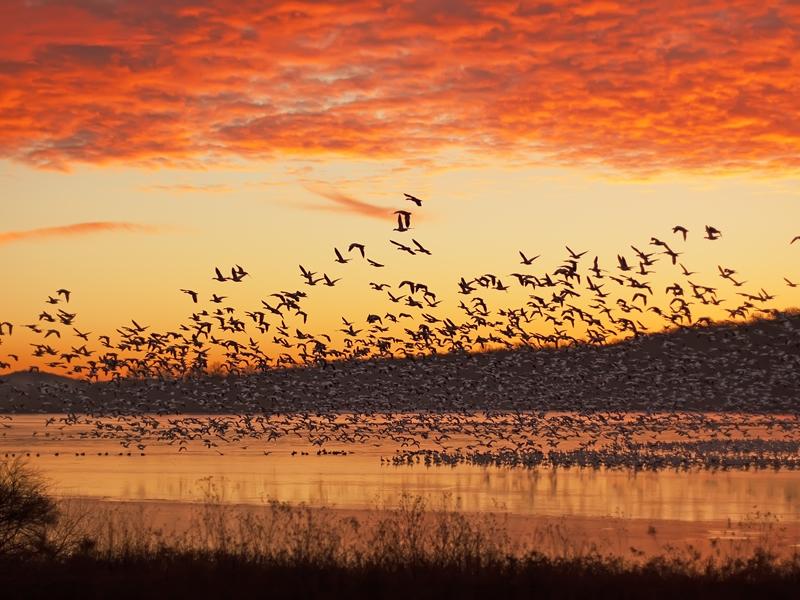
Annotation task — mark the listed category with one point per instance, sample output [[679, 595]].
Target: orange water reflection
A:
[[244, 474]]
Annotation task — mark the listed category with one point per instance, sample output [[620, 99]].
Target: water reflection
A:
[[361, 480]]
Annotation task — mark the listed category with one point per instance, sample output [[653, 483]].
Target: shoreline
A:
[[564, 535]]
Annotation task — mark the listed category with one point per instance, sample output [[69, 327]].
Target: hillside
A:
[[727, 367]]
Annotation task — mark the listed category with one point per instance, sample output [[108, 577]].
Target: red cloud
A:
[[637, 86], [348, 204], [77, 229]]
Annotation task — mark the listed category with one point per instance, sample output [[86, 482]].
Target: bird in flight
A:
[[413, 199], [238, 273], [339, 258], [420, 248], [403, 220], [65, 293], [191, 293], [359, 247], [712, 233], [403, 247], [680, 229], [526, 260], [80, 334], [575, 255], [219, 276]]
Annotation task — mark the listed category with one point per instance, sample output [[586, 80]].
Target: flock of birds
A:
[[595, 343]]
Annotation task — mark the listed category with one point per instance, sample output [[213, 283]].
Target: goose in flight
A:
[[421, 248], [359, 247], [339, 258], [403, 247], [575, 255], [712, 233], [219, 276], [65, 293], [191, 293], [308, 276], [238, 273], [680, 229], [403, 220], [526, 260], [413, 199]]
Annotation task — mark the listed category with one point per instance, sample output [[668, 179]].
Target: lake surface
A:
[[79, 465]]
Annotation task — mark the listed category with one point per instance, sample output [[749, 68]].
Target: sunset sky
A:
[[144, 142]]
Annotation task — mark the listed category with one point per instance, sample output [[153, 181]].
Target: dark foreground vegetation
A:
[[294, 552], [169, 574]]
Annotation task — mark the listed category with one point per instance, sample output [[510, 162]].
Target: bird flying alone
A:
[[413, 199], [420, 248], [357, 246], [191, 293], [339, 258], [403, 247]]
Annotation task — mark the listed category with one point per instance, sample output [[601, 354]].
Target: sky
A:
[[144, 142]]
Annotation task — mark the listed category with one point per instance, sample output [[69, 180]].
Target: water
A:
[[241, 472]]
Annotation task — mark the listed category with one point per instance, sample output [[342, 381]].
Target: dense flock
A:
[[597, 367]]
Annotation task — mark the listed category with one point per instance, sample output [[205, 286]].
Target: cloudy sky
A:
[[144, 142]]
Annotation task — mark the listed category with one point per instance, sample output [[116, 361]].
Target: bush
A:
[[26, 512]]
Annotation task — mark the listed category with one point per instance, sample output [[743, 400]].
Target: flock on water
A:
[[597, 367]]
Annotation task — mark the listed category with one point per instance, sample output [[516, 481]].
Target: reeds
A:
[[282, 550]]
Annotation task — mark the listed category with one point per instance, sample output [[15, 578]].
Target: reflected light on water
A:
[[245, 474]]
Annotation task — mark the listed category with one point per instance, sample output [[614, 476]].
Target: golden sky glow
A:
[[144, 142]]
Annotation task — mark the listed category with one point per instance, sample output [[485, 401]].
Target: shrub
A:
[[26, 512]]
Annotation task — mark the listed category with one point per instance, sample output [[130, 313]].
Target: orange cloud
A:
[[644, 86], [188, 188], [76, 229], [347, 204]]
